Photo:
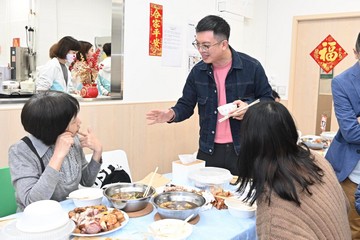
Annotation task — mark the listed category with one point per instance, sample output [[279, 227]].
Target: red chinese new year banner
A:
[[328, 53], [156, 27]]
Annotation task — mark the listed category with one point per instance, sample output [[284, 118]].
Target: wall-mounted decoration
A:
[[156, 29], [328, 53]]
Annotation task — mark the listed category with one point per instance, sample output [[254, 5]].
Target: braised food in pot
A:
[[178, 205], [127, 195]]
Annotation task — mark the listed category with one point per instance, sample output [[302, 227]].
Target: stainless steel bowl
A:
[[130, 205], [195, 198]]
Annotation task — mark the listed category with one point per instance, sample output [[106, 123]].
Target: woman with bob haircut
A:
[[50, 162], [296, 191], [55, 74]]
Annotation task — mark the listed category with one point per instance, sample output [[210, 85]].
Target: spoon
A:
[[188, 218]]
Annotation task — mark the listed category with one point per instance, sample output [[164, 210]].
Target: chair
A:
[[7, 200], [116, 158]]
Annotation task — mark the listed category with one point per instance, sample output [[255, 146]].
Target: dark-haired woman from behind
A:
[[296, 191], [50, 162]]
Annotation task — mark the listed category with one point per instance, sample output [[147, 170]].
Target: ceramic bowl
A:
[[238, 208], [226, 109], [170, 229], [87, 197]]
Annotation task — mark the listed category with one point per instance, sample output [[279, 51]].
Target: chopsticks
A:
[[239, 110], [150, 182]]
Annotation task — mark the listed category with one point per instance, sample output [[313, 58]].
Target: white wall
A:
[[266, 36], [274, 45], [54, 19], [145, 79], [13, 19]]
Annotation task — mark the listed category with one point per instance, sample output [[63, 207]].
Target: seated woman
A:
[[52, 164], [296, 191]]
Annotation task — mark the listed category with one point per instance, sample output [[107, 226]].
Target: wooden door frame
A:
[[296, 21]]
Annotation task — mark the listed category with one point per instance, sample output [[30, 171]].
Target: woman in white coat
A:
[[55, 74]]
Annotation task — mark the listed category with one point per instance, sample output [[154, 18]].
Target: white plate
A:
[[103, 233], [328, 135], [309, 140], [10, 231]]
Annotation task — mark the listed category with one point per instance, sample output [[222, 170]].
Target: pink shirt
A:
[[223, 131]]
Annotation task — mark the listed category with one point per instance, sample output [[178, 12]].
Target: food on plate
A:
[[177, 188], [127, 195], [95, 219], [220, 196], [178, 205]]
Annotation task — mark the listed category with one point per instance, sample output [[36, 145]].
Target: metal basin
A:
[[128, 205], [197, 201]]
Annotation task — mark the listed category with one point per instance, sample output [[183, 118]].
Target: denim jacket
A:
[[245, 81]]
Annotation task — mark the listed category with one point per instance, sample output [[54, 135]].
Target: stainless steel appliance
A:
[[19, 63]]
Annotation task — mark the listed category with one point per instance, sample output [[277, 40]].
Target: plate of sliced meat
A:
[[97, 220]]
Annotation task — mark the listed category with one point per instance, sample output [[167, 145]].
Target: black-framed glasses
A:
[[204, 47]]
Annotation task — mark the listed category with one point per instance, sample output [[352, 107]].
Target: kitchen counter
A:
[[16, 99]]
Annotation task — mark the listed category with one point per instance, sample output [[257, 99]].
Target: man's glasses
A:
[[203, 47]]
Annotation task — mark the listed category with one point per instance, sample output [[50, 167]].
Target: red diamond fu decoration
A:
[[328, 54]]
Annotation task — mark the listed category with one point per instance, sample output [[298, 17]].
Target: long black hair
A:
[[270, 160]]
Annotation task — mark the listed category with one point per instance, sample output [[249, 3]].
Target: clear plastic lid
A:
[[211, 175]]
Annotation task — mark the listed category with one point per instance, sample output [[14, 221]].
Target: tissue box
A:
[[180, 171]]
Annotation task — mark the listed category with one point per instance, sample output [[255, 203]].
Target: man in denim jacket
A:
[[223, 76]]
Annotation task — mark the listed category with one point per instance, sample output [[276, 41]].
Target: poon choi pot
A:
[[128, 196], [178, 205]]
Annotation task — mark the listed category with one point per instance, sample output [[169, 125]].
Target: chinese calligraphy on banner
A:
[[156, 28], [328, 54]]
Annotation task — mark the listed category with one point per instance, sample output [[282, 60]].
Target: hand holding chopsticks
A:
[[239, 110]]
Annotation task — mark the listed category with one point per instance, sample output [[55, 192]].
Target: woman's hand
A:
[[62, 147], [89, 140]]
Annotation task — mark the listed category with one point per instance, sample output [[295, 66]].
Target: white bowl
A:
[[238, 208], [42, 216], [170, 229], [227, 108], [87, 197]]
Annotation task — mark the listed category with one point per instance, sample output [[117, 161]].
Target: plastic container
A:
[[206, 177]]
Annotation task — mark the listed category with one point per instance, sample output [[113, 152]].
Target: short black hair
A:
[[65, 45], [47, 114], [107, 49], [216, 24], [357, 45]]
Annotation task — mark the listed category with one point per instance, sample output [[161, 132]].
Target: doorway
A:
[[309, 94]]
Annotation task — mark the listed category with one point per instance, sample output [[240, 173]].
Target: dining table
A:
[[212, 224]]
